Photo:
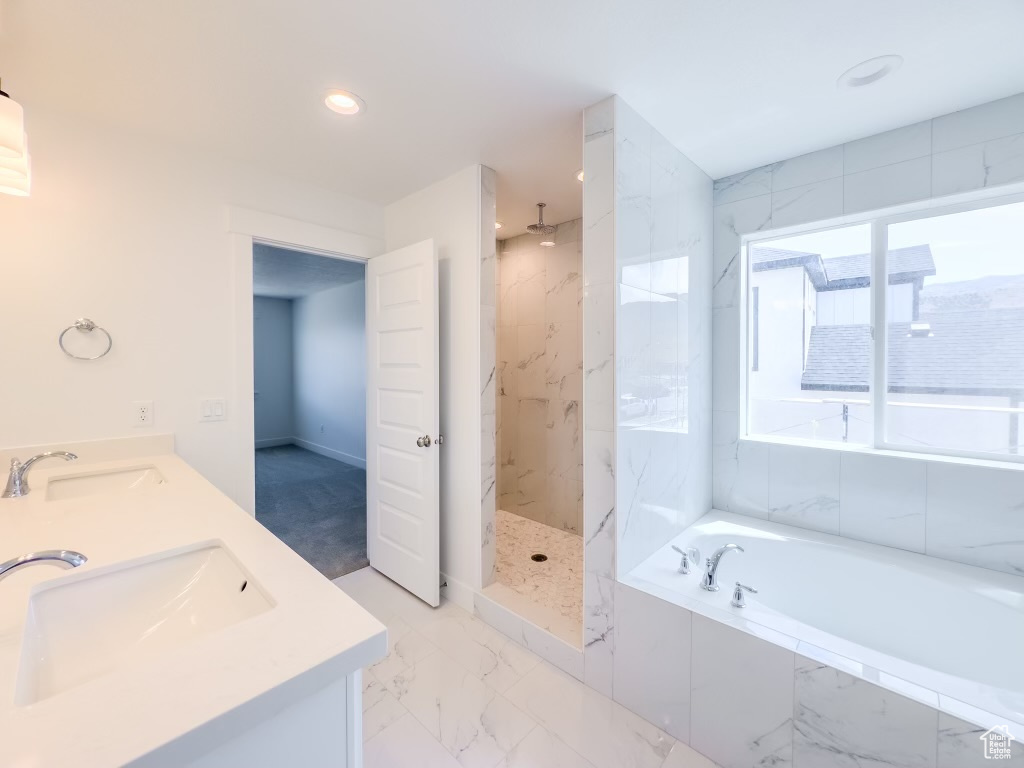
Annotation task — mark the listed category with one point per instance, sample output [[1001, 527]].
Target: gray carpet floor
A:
[[315, 505]]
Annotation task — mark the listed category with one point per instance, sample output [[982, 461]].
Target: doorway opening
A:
[[309, 403]]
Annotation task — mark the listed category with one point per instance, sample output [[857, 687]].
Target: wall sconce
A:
[[15, 163]]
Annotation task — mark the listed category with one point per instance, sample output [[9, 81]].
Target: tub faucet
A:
[[710, 580], [60, 557], [17, 485]]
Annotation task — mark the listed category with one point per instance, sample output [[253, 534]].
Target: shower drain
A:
[[538, 558]]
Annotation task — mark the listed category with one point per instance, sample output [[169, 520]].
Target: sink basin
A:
[[81, 628], [112, 481]]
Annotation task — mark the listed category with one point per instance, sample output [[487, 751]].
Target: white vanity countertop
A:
[[314, 634]]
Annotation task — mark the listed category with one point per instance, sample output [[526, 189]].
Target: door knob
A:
[[423, 442]]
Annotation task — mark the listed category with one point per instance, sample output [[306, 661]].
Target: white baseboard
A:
[[460, 594], [330, 453], [273, 442]]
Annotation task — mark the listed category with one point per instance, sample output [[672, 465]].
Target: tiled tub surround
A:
[[907, 664], [969, 512], [540, 378]]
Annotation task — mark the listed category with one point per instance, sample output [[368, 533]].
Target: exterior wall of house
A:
[[781, 316]]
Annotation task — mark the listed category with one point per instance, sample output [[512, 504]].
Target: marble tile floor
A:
[[453, 692], [549, 593]]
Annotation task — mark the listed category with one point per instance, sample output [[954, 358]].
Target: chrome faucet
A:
[[60, 557], [710, 580], [17, 485]]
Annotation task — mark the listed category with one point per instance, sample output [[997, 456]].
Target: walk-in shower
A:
[[539, 519]]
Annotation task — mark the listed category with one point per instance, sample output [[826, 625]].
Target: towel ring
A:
[[85, 325]]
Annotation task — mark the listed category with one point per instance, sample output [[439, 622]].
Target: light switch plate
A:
[[213, 410]]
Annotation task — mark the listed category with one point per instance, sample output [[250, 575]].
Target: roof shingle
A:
[[971, 352]]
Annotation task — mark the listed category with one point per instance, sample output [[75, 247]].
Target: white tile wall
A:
[[959, 745], [906, 143], [993, 120], [741, 693], [817, 200], [540, 369], [488, 372], [740, 186], [882, 500], [652, 660], [888, 185], [733, 219], [967, 513], [995, 162], [976, 515], [599, 512], [803, 488], [840, 721], [808, 169], [663, 253], [598, 632]]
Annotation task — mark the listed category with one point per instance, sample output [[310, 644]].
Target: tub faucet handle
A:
[[688, 556], [737, 596]]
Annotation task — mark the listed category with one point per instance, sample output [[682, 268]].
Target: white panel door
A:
[[402, 467]]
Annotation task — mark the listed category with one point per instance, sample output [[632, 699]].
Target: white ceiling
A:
[[734, 83], [283, 274]]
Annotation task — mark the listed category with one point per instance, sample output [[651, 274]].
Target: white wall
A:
[[272, 370], [663, 215], [449, 213], [133, 233], [330, 372], [960, 511]]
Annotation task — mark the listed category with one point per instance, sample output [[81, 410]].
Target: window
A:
[[951, 360], [813, 303]]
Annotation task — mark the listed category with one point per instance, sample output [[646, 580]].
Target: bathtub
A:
[[942, 633]]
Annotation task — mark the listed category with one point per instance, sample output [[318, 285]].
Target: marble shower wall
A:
[[646, 358], [488, 374], [969, 512], [663, 257], [540, 378]]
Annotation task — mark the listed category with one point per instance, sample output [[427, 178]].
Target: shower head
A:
[[540, 228]]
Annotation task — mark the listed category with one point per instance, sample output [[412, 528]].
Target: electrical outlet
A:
[[142, 413], [213, 410]]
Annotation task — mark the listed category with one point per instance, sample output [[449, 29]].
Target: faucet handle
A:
[[688, 556], [737, 596]]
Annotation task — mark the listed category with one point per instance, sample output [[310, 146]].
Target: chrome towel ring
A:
[[85, 325]]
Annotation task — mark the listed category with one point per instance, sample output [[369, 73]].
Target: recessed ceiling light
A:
[[870, 71], [548, 243], [344, 103], [498, 225], [579, 175]]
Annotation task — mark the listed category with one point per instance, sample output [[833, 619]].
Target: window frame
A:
[[879, 221]]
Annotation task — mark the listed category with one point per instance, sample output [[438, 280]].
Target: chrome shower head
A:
[[540, 228]]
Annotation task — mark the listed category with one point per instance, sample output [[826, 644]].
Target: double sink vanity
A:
[[182, 633]]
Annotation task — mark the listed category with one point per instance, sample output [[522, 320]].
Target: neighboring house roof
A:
[[968, 353], [905, 266]]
